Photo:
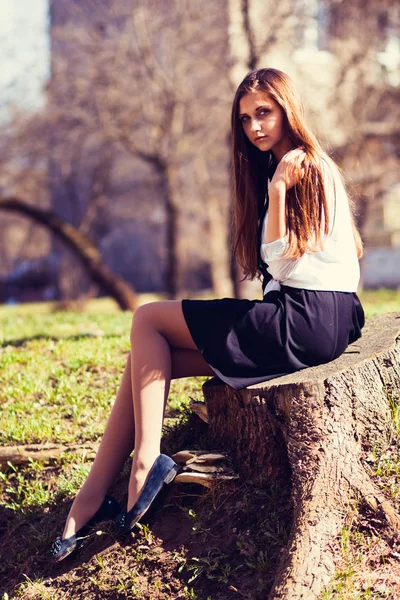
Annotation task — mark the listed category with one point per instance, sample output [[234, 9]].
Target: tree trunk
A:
[[114, 285], [168, 175], [312, 429], [218, 220], [219, 250]]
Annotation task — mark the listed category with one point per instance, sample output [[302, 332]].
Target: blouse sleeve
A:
[[330, 185], [272, 253]]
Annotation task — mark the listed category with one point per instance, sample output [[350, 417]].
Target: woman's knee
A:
[[150, 315], [166, 318], [143, 316]]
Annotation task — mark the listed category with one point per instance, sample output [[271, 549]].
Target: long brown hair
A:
[[306, 204]]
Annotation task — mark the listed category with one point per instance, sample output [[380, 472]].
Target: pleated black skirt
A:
[[250, 341]]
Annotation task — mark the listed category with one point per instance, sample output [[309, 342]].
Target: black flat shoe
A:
[[60, 548], [164, 470]]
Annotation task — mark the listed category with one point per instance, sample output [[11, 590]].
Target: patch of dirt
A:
[[192, 544], [215, 538], [371, 559]]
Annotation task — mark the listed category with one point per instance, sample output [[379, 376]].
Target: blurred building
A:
[[382, 239]]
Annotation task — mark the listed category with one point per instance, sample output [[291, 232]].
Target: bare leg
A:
[[157, 328], [118, 439], [115, 447], [188, 363]]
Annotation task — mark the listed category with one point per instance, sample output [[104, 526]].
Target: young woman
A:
[[294, 229]]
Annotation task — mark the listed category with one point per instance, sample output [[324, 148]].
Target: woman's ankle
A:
[[85, 505], [143, 461], [89, 494]]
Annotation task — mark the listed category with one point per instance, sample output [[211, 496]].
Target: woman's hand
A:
[[289, 170]]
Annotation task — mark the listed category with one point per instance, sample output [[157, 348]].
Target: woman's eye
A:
[[244, 119], [264, 111]]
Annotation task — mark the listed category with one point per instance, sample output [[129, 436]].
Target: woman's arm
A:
[[274, 242], [276, 224], [287, 174]]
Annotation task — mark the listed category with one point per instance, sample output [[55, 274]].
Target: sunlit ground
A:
[[374, 302], [59, 374]]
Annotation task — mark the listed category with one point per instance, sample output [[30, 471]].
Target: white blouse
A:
[[335, 267]]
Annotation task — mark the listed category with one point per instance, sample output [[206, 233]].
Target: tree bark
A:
[[218, 221], [168, 176], [219, 250], [253, 58], [312, 429], [114, 285]]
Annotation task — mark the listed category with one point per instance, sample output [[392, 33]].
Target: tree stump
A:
[[313, 429]]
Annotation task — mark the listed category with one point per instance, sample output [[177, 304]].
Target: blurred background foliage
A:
[[131, 145]]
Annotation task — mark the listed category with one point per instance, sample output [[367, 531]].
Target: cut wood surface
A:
[[313, 429], [205, 468], [199, 408]]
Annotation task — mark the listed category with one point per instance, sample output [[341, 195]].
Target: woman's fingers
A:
[[296, 155], [290, 169]]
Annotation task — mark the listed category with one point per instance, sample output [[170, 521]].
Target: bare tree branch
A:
[[82, 246]]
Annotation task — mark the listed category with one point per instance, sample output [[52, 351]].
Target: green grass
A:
[[376, 302], [59, 374]]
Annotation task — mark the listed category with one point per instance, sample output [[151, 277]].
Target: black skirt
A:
[[250, 341]]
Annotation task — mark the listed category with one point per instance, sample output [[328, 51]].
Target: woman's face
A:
[[263, 123]]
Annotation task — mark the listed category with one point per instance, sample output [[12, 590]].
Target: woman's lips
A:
[[261, 137]]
